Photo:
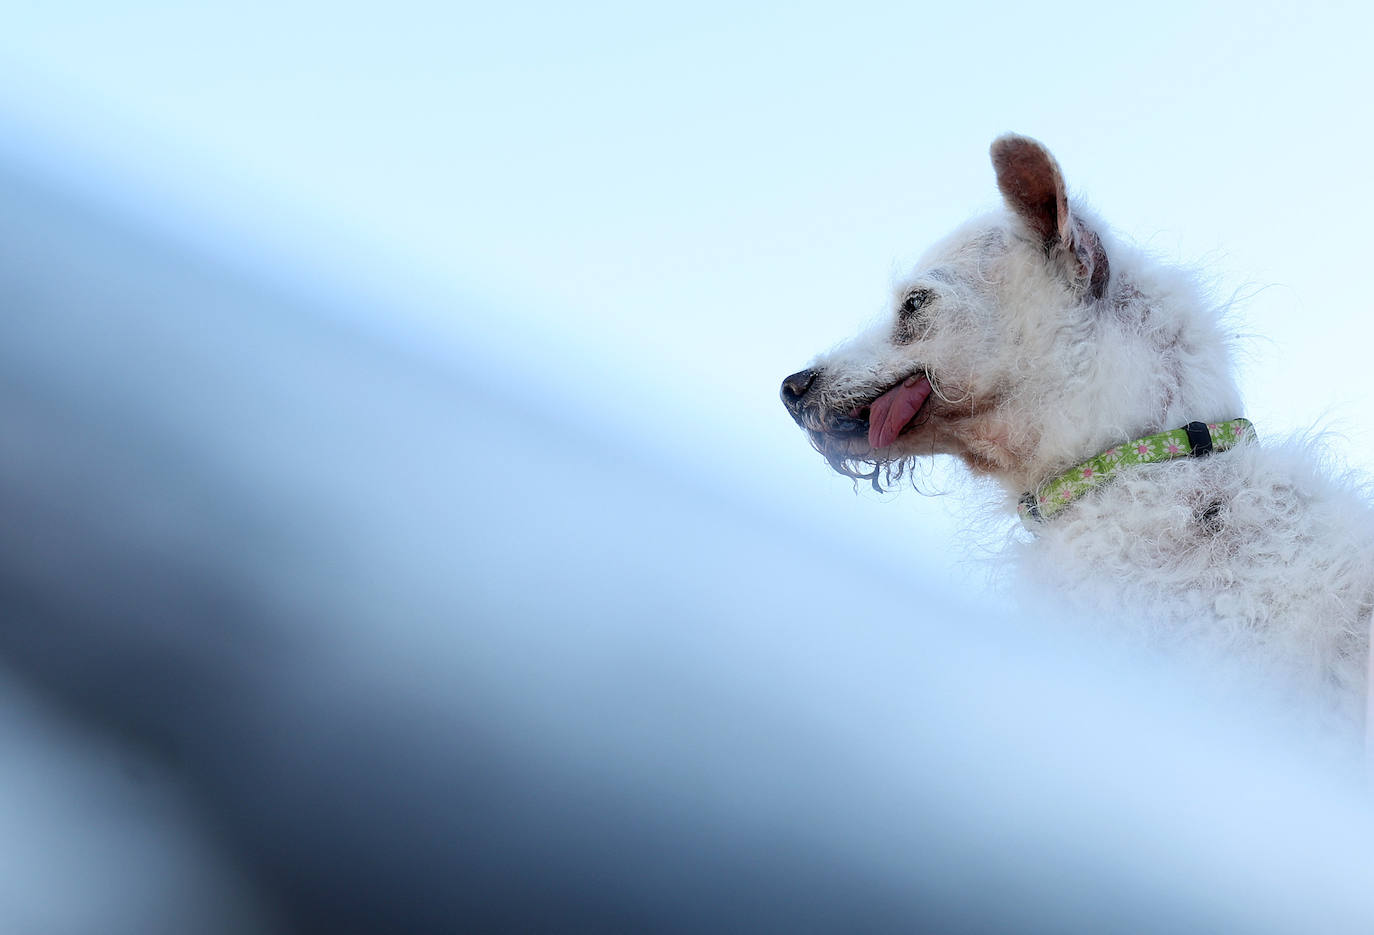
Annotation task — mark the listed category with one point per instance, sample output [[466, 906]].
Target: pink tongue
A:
[[891, 412]]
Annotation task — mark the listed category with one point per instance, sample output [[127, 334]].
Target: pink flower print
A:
[[1065, 495], [1174, 449], [1087, 473], [1235, 429], [1211, 426], [1142, 449]]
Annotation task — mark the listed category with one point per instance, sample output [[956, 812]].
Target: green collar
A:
[[1193, 440]]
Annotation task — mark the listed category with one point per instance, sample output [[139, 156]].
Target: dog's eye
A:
[[914, 300], [910, 317]]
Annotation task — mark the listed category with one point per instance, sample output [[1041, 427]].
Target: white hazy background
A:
[[667, 210], [661, 213]]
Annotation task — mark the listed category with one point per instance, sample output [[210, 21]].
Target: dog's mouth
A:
[[875, 424], [863, 430]]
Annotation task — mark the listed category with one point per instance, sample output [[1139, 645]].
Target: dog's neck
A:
[[1147, 364]]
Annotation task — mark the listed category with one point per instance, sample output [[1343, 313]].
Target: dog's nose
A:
[[795, 387]]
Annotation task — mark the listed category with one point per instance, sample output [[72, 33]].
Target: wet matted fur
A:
[[1030, 340]]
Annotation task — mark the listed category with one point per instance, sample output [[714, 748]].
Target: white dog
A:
[[1094, 384]]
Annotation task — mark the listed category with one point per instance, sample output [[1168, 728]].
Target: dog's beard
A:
[[883, 472], [882, 475]]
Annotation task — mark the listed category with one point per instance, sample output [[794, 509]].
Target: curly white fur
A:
[[1047, 341]]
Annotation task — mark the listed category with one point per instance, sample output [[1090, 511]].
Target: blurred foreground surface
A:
[[364, 639]]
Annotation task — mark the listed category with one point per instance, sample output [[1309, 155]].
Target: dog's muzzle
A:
[[796, 396], [795, 389]]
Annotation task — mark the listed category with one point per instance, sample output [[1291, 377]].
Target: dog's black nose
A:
[[795, 387]]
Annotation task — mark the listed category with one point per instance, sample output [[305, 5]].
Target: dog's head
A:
[[998, 345]]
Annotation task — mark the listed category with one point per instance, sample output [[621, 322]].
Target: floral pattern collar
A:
[[1055, 494]]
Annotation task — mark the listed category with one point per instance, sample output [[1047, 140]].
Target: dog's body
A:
[[1030, 341]]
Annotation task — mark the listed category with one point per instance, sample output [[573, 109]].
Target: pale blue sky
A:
[[665, 211]]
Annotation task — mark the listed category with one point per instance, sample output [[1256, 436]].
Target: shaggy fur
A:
[[1046, 341]]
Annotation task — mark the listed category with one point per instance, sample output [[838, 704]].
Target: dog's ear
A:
[[1033, 187]]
